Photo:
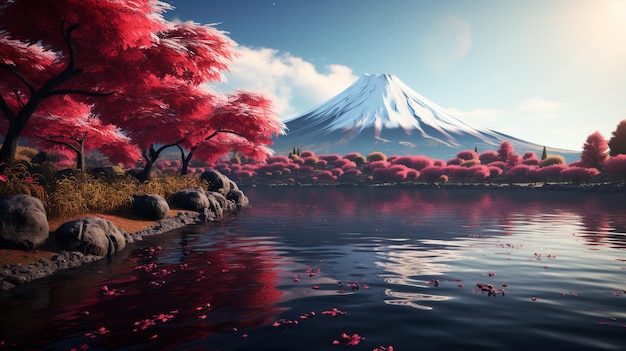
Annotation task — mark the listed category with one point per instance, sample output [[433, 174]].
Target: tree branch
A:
[[71, 146], [78, 92], [18, 75], [222, 131], [4, 107]]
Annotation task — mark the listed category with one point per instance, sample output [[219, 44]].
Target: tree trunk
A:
[[185, 163], [80, 157], [146, 172], [9, 146]]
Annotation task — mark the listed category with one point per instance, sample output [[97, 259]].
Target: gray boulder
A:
[[217, 203], [91, 236], [193, 199], [23, 222], [150, 206], [218, 182], [238, 197]]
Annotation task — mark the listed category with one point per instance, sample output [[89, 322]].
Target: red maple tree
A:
[[594, 153], [78, 132], [136, 70]]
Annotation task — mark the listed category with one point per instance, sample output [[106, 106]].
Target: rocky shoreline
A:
[[12, 275]]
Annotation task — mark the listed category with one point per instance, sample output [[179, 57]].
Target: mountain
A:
[[380, 113]]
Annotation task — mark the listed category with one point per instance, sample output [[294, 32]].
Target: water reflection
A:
[[168, 299], [475, 208]]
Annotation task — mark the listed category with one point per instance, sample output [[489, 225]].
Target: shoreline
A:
[[49, 261], [585, 187]]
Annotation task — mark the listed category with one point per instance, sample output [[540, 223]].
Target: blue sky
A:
[[547, 71]]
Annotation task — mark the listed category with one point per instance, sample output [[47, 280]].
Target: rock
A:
[[23, 222], [150, 206], [218, 182], [238, 197], [191, 199], [217, 202], [91, 236]]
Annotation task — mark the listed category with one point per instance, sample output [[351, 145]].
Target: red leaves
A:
[[334, 312], [349, 340]]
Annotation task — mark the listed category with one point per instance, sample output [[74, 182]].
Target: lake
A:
[[358, 268]]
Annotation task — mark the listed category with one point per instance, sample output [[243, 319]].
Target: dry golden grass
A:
[[82, 195]]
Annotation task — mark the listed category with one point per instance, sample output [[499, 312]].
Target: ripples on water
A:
[[263, 278]]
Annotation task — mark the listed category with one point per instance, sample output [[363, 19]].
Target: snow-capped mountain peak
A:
[[379, 112]]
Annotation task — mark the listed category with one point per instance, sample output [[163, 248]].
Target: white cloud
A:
[[293, 84]]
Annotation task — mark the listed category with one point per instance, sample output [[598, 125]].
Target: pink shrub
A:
[[439, 163], [431, 173], [220, 166], [293, 167], [394, 173], [348, 165], [518, 172], [455, 161], [352, 156], [306, 169], [494, 171], [351, 174], [368, 168], [415, 162], [552, 172], [337, 172], [307, 153], [310, 161], [579, 174], [457, 171], [488, 157], [479, 172], [616, 165], [342, 162], [531, 161], [467, 155], [278, 158], [321, 164], [325, 176], [330, 157], [498, 164]]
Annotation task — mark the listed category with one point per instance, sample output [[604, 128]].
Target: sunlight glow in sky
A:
[[550, 72]]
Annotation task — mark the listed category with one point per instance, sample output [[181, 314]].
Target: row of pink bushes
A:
[[467, 166]]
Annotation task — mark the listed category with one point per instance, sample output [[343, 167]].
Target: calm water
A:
[[272, 276]]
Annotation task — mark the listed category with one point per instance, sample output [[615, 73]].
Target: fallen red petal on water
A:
[[335, 342], [315, 287], [534, 298]]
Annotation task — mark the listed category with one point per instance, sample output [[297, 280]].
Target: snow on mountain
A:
[[380, 113]]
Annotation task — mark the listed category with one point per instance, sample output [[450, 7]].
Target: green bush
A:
[[552, 160], [376, 156]]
